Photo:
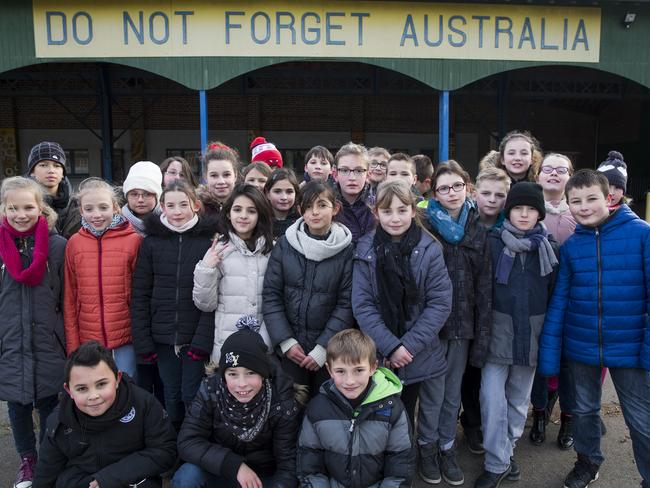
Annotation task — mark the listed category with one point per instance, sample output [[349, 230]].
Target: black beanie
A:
[[615, 170], [46, 151], [245, 348], [526, 193]]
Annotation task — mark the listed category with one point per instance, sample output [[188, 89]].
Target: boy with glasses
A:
[[377, 169]]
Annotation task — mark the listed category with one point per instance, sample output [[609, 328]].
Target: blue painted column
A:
[[443, 126], [203, 115]]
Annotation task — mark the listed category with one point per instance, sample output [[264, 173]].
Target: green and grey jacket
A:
[[370, 446]]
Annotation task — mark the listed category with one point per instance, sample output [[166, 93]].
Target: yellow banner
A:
[[334, 29]]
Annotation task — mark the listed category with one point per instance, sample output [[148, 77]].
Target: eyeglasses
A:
[[444, 189], [175, 174], [561, 170], [358, 172], [378, 164], [137, 195]]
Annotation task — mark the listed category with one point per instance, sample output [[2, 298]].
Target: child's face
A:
[[616, 194], [318, 216], [453, 200], [318, 168], [141, 202], [524, 217], [173, 172], [490, 197], [256, 179], [588, 205], [282, 196], [401, 170], [178, 208], [93, 389], [517, 157], [21, 209], [351, 183], [243, 384], [220, 178], [554, 174], [48, 173], [97, 209], [351, 379], [397, 218], [377, 168], [243, 216]]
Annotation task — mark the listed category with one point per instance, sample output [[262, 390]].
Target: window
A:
[[77, 162], [192, 156]]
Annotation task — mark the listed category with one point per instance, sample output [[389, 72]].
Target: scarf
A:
[[245, 420], [316, 249], [398, 291], [62, 198], [118, 220], [122, 407], [517, 241], [138, 223], [183, 228], [33, 274], [559, 209], [452, 231]]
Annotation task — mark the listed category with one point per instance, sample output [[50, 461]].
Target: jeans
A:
[[22, 423], [440, 398], [409, 398], [125, 359], [633, 390], [181, 376], [539, 394], [470, 389], [149, 379], [192, 476], [505, 394]]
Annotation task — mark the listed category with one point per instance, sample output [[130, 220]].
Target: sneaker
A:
[[429, 470], [26, 472], [582, 475], [490, 480], [565, 435], [515, 471], [451, 472], [474, 438], [537, 432]]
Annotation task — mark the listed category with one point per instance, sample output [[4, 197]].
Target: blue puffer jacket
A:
[[421, 337], [599, 311]]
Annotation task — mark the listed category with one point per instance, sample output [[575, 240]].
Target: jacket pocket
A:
[[502, 336], [536, 324]]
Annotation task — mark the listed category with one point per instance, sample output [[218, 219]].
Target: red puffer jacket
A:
[[98, 273]]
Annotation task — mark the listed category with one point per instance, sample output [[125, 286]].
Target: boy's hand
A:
[[400, 357], [296, 354], [93, 484], [247, 478], [214, 255], [309, 364]]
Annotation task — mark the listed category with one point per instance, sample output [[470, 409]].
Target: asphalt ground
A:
[[542, 467]]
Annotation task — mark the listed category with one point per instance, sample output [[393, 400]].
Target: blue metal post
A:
[[443, 126], [203, 110]]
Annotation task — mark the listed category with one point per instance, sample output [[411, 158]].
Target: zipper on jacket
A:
[[352, 421], [101, 294], [600, 300], [178, 281]]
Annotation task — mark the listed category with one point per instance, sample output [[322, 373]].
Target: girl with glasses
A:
[[175, 168]]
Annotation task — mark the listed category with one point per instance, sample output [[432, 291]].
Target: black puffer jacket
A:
[[162, 310], [207, 441], [307, 300], [470, 269], [138, 444]]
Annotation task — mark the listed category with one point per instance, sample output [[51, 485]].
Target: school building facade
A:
[[117, 82]]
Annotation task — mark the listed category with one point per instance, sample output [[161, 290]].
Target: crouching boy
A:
[[106, 432], [356, 432]]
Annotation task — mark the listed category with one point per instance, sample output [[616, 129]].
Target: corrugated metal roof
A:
[[625, 52]]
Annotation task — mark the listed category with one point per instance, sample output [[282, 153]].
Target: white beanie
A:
[[144, 175]]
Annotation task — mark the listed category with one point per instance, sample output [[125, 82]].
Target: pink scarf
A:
[[33, 274]]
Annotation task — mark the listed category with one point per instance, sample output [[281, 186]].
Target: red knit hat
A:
[[265, 152]]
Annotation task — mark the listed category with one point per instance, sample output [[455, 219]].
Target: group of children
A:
[[389, 294]]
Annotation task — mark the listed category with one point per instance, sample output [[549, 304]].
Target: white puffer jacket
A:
[[232, 289]]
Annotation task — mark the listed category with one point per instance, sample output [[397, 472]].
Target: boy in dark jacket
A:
[[242, 426], [106, 432], [598, 317], [360, 407]]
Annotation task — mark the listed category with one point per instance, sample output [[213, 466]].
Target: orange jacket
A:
[[98, 273]]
